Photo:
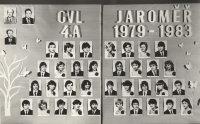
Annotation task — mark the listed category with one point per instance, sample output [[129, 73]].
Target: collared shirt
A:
[[145, 93], [155, 73], [28, 20], [110, 92], [35, 92], [60, 111], [69, 93], [76, 73], [42, 74], [135, 111], [119, 73], [52, 55], [86, 55], [128, 54], [162, 53], [26, 112]]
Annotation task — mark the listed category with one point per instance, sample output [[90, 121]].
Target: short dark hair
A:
[[84, 83], [76, 102], [153, 63], [169, 62], [144, 83], [34, 82], [152, 101], [9, 30], [76, 63], [144, 43], [59, 63], [188, 101], [25, 102], [134, 101], [60, 102], [28, 10], [91, 64], [117, 63], [127, 83], [51, 82], [93, 102], [110, 83], [68, 45], [68, 82], [161, 44], [136, 62], [178, 82], [42, 64], [85, 44], [51, 43], [126, 44], [170, 101]]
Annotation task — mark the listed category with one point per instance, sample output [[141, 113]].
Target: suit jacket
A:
[[124, 54], [79, 74], [46, 74], [157, 54], [139, 111], [13, 20], [122, 73], [97, 112], [30, 112], [12, 42], [72, 94], [175, 92], [148, 93], [113, 92], [39, 93], [167, 111], [82, 55], [55, 55], [64, 112], [150, 73], [24, 21]]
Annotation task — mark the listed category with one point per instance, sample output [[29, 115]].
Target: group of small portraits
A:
[[144, 86], [60, 69], [128, 49], [61, 108]]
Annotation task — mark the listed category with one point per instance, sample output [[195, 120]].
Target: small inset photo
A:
[[60, 106], [26, 107], [69, 50], [119, 106], [152, 106], [161, 87], [135, 68], [110, 49], [110, 87], [35, 88], [76, 107], [94, 68], [10, 35], [127, 49], [43, 69], [170, 106], [161, 49], [169, 69], [85, 49], [52, 88], [152, 68], [86, 87], [43, 107], [186, 106], [127, 87], [69, 87], [28, 15], [144, 87], [136, 106], [144, 49], [94, 107], [52, 49], [119, 68], [10, 15], [77, 68], [60, 69], [178, 87]]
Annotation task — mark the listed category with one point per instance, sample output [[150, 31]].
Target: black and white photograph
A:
[[161, 49], [127, 49], [69, 88], [76, 107], [127, 87], [170, 106], [119, 68], [169, 69], [144, 87], [77, 68], [186, 106], [28, 15], [43, 107], [144, 49], [135, 68], [60, 69], [86, 87], [60, 107], [110, 49], [86, 49], [26, 107], [152, 68], [52, 49], [152, 106], [110, 87], [43, 69], [136, 106], [161, 87], [35, 88], [10, 15], [119, 106], [52, 88], [69, 50], [10, 36], [178, 87], [94, 68], [94, 107]]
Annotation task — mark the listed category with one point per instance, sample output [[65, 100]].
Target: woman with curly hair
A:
[[93, 69], [144, 48], [135, 71], [60, 70], [120, 109], [169, 69], [86, 89], [187, 107], [111, 50], [43, 110]]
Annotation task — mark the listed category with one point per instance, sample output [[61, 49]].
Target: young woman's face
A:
[[77, 67], [119, 67], [43, 106], [35, 86], [76, 106], [51, 87], [108, 48], [126, 88], [168, 66], [87, 86], [135, 66], [119, 105], [143, 48], [160, 87], [94, 67], [152, 106], [69, 49], [185, 104], [61, 67]]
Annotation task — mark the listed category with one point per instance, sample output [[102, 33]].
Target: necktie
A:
[[85, 55], [60, 112], [179, 92], [171, 112], [68, 94], [42, 74], [35, 94], [144, 94], [51, 56], [10, 20], [118, 73], [28, 20], [127, 55], [25, 112], [93, 112], [110, 92], [155, 74]]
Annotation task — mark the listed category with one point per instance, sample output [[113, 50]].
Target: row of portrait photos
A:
[[61, 107]]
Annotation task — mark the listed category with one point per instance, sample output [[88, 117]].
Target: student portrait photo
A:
[[127, 87], [110, 87], [198, 102], [43, 107], [161, 87], [152, 68], [69, 88], [85, 49], [135, 68], [10, 36], [169, 69], [35, 88], [77, 107], [43, 69], [94, 68], [136, 106], [178, 87], [26, 107], [118, 68], [169, 106], [69, 49], [152, 106], [110, 49], [86, 87], [127, 49], [60, 107], [76, 68], [120, 106], [28, 15], [144, 87], [10, 15], [186, 106], [52, 49], [60, 69], [94, 106], [52, 88], [160, 49], [143, 49]]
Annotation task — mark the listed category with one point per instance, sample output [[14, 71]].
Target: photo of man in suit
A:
[[154, 69], [26, 108], [69, 89], [61, 108], [145, 89], [28, 19], [161, 50], [136, 110], [127, 50], [35, 89], [94, 110], [86, 51], [10, 40], [43, 72], [179, 90], [170, 105], [52, 51], [118, 69], [110, 91], [10, 19]]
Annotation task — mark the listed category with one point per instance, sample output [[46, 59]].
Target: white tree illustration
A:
[[8, 82]]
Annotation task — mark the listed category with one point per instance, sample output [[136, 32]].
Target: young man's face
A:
[[69, 87], [178, 86], [110, 87], [94, 106], [26, 106], [169, 106], [153, 67], [119, 67], [160, 48], [135, 105], [28, 14], [128, 48], [52, 48], [86, 49], [43, 68], [119, 105], [10, 13], [144, 87], [35, 86], [10, 34], [61, 106]]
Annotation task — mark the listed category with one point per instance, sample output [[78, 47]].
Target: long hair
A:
[[78, 64], [84, 83], [92, 64], [58, 64], [169, 62], [117, 63], [188, 102], [112, 45], [34, 82], [161, 82]]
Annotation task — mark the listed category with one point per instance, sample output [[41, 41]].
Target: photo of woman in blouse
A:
[[76, 108], [93, 69], [186, 107], [42, 108], [60, 70], [161, 88], [136, 70], [143, 48], [51, 89], [169, 70], [119, 106], [153, 107], [86, 88], [111, 50]]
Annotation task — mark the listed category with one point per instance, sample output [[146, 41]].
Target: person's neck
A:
[[35, 90]]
